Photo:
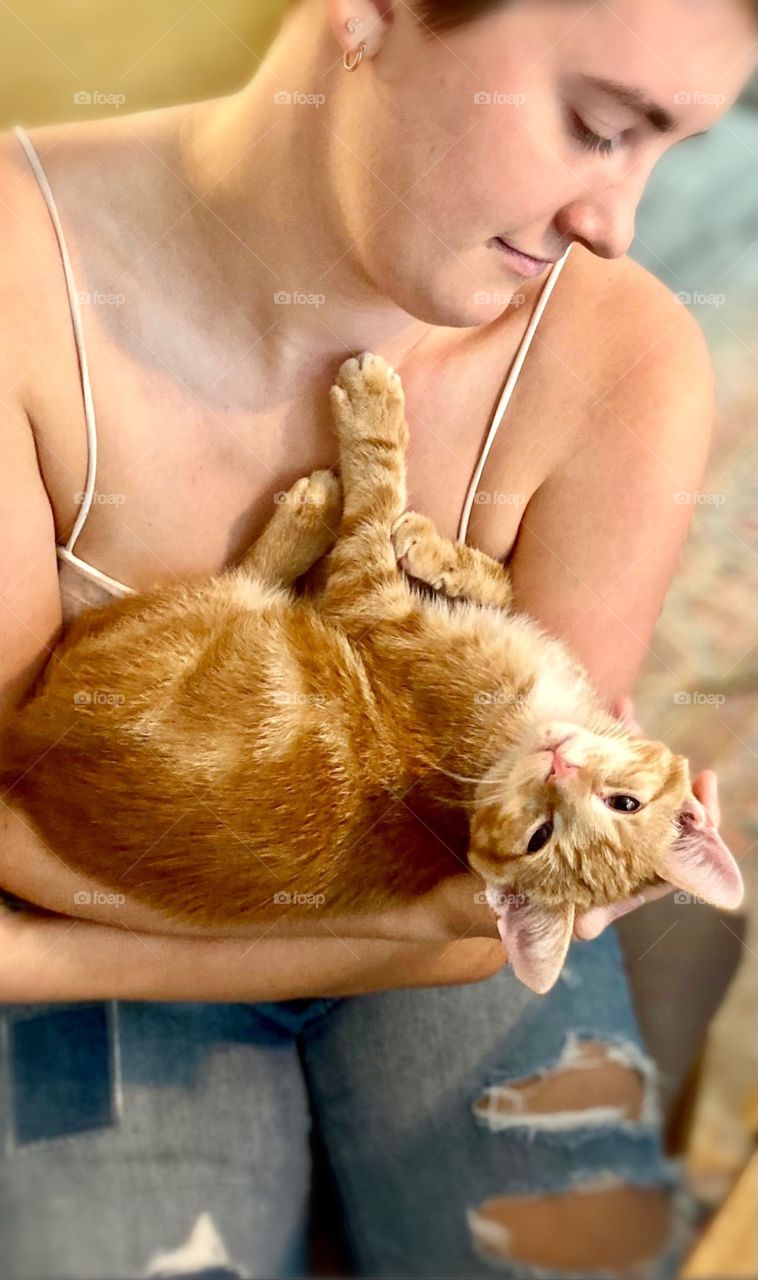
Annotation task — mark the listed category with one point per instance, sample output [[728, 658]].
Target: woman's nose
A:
[[603, 222]]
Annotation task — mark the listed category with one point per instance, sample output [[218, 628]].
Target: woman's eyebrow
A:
[[659, 117]]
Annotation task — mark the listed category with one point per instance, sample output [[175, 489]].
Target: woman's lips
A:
[[522, 262]]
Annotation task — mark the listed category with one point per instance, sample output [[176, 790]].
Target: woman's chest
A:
[[190, 460]]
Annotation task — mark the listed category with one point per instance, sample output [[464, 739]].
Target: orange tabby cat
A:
[[218, 745]]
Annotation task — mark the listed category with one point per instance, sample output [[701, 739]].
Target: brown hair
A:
[[445, 15]]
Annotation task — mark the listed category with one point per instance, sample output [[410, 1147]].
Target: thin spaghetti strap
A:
[[73, 298], [508, 390]]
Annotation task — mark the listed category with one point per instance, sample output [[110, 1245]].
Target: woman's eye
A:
[[591, 140], [540, 838], [623, 804]]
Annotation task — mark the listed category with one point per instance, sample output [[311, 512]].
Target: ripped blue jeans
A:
[[145, 1139]]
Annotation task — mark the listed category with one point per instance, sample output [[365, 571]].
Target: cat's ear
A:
[[536, 938], [699, 862]]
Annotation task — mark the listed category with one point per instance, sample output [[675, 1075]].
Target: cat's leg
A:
[[454, 569], [303, 527], [368, 406]]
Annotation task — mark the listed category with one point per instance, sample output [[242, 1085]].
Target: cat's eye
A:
[[623, 804], [540, 838]]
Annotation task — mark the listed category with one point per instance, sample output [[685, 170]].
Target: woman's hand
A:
[[589, 924]]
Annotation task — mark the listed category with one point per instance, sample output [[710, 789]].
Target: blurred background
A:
[[694, 970]]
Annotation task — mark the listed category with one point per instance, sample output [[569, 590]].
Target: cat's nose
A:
[[560, 767]]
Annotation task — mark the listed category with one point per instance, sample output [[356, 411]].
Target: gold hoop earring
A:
[[356, 61]]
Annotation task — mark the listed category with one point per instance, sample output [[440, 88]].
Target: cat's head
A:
[[568, 819]]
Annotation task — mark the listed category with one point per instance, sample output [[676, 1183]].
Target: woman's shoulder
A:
[[617, 342], [33, 304], [631, 319], [25, 250]]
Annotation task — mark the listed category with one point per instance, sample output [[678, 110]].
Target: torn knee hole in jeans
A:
[[613, 1229], [592, 1084], [201, 1256]]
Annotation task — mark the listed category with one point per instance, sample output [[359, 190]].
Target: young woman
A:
[[451, 183]]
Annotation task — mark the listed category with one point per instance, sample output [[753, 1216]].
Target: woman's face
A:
[[503, 129]]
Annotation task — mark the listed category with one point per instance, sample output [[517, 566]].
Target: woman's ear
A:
[[699, 862], [357, 22]]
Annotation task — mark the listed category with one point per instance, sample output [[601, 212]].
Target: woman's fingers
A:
[[705, 788], [623, 709], [589, 924]]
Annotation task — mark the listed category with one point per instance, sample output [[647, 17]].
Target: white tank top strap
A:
[[508, 390], [67, 552]]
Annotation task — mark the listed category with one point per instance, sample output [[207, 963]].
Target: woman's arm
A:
[[62, 959], [600, 539]]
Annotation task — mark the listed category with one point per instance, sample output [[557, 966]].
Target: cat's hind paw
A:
[[422, 553]]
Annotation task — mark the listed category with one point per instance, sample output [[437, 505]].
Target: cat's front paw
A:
[[311, 511], [319, 494], [368, 402], [421, 552]]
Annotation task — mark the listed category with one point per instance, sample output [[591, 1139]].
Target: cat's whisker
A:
[[460, 777]]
